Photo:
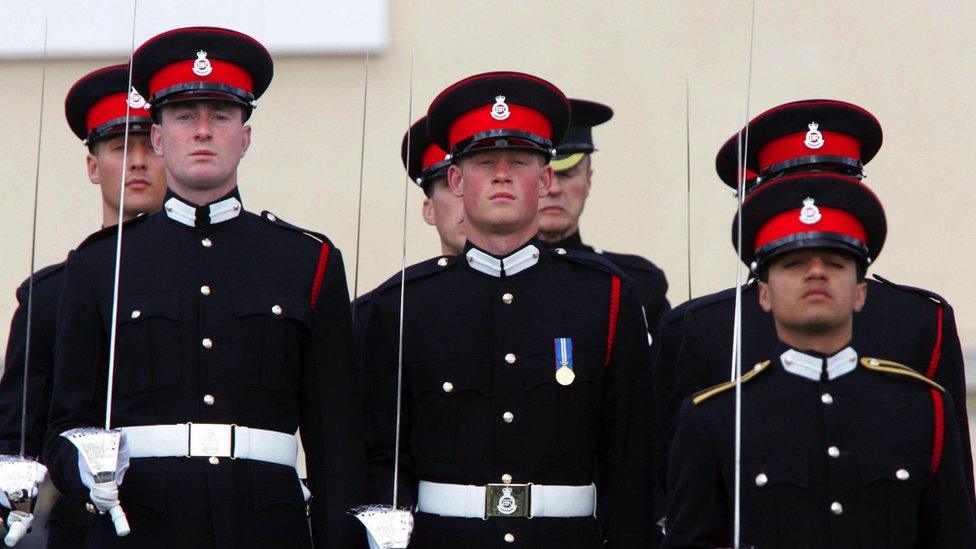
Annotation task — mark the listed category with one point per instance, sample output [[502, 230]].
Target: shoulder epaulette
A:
[[272, 219], [113, 230], [39, 277], [633, 262], [889, 367], [420, 270], [722, 296], [702, 396], [591, 259], [912, 289]]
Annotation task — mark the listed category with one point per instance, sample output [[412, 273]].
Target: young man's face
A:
[[500, 189], [560, 211], [813, 291], [446, 212], [145, 175], [202, 142]]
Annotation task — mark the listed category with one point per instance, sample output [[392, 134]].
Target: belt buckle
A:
[[211, 440], [508, 500]]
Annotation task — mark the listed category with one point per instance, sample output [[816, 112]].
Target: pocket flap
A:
[[276, 484], [450, 377], [144, 486], [138, 308], [539, 369], [272, 304], [875, 466], [773, 470]]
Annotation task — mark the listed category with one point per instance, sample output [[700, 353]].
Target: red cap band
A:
[[111, 107], [831, 221], [432, 155], [181, 72], [480, 120], [793, 146]]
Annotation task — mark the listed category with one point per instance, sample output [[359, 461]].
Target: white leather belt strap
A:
[[211, 440], [500, 500]]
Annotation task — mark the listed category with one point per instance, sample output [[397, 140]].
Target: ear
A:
[[245, 139], [156, 139], [545, 180], [860, 296], [764, 300], [428, 211], [454, 179], [94, 174], [589, 180]]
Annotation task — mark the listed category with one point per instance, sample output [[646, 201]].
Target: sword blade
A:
[[362, 172]]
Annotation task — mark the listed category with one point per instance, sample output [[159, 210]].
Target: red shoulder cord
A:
[[938, 438], [614, 313], [320, 273]]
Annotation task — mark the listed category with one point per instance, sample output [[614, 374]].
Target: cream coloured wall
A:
[[910, 63]]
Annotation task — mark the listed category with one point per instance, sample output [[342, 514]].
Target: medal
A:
[[564, 360]]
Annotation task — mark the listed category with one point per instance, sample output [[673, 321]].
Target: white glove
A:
[[18, 523], [18, 474]]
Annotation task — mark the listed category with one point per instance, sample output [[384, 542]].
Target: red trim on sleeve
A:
[[614, 313], [320, 273], [793, 146], [478, 120], [937, 348], [938, 438]]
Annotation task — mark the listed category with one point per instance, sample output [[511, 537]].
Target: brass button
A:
[[213, 460], [508, 417], [836, 508], [90, 508], [902, 474], [873, 362], [506, 478], [761, 480], [507, 298], [207, 343], [788, 360], [826, 398], [272, 217], [206, 242], [833, 451], [510, 358], [208, 400], [136, 314], [561, 251], [205, 290], [442, 262], [447, 386], [276, 309], [509, 537]]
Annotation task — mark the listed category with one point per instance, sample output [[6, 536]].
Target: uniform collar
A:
[[571, 242], [224, 209], [519, 260], [817, 367]]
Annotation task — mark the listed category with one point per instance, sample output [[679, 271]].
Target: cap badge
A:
[[201, 65], [814, 139], [499, 111], [809, 213], [136, 101]]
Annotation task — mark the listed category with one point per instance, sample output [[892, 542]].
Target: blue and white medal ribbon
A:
[[564, 360]]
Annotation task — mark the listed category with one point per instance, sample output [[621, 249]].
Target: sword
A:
[[362, 171], [688, 176]]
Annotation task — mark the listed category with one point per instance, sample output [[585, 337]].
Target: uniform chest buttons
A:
[[788, 360], [90, 508], [902, 474], [136, 314], [448, 387], [836, 508], [205, 290], [510, 358], [271, 217], [276, 309], [206, 243], [508, 417], [508, 298], [762, 480], [442, 262], [207, 343], [561, 251], [509, 537], [214, 460], [833, 451], [208, 400], [826, 398], [506, 478]]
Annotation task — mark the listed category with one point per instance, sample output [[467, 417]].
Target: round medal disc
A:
[[565, 376]]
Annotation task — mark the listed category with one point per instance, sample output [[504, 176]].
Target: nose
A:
[[817, 268], [137, 158], [202, 130], [503, 173], [556, 188]]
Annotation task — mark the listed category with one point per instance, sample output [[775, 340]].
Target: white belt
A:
[[506, 500], [211, 440]]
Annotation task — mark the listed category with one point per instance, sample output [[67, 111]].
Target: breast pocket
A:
[[892, 488], [450, 409], [563, 419], [149, 352], [269, 331], [775, 494]]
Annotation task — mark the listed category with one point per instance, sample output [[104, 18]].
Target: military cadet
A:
[[427, 166], [234, 331], [560, 210], [838, 448], [95, 107], [525, 368], [910, 325]]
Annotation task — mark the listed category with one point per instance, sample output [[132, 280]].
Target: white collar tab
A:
[[510, 265], [812, 367], [218, 212]]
